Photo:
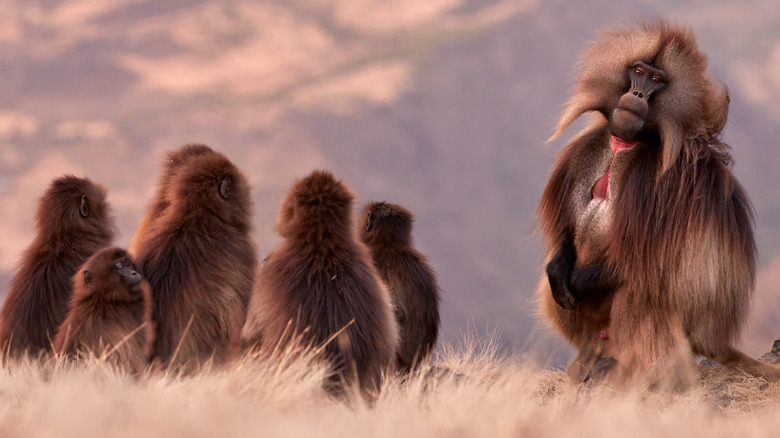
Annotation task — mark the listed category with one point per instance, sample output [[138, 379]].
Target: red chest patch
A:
[[601, 188]]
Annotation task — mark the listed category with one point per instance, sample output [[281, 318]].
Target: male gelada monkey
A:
[[649, 235]]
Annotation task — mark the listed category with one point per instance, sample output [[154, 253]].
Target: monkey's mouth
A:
[[133, 283], [600, 190]]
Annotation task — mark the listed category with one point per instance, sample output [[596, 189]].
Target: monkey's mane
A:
[[693, 103]]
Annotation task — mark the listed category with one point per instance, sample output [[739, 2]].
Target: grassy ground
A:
[[483, 395]]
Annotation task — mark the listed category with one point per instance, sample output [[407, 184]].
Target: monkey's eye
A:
[[655, 78], [638, 71]]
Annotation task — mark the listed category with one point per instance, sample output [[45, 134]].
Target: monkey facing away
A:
[[110, 312], [319, 287], [200, 260], [73, 221], [174, 161], [649, 235], [387, 231]]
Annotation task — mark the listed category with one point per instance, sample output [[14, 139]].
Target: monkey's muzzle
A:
[[628, 119], [132, 281]]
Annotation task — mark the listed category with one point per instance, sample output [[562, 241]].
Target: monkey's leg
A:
[[734, 358], [559, 274], [590, 364], [593, 361]]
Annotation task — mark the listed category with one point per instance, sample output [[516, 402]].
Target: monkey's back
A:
[[316, 296], [37, 300], [415, 294], [201, 276]]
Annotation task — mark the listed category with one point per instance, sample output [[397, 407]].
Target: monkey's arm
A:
[[569, 285], [559, 271]]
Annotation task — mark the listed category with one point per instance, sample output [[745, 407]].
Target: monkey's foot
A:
[[601, 368]]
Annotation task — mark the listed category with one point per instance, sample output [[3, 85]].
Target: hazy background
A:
[[442, 106]]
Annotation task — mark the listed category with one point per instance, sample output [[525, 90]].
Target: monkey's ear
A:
[[84, 209], [87, 277], [224, 188], [369, 221]]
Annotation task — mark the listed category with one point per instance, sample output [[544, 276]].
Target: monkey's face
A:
[[131, 280], [110, 275], [633, 111]]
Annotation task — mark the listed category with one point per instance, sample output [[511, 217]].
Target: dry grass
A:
[[483, 394]]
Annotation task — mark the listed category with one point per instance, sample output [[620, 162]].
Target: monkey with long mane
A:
[[649, 235]]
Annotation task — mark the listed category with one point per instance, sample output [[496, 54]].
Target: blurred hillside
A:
[[442, 106]]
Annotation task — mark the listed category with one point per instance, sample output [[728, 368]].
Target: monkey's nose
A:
[[133, 279]]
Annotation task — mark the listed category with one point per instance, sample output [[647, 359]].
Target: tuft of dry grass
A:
[[471, 391]]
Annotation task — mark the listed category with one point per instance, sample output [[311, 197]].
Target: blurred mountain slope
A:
[[443, 106]]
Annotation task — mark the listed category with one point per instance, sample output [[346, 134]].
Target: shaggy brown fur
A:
[[110, 313], [319, 280], [174, 161], [200, 260], [73, 221], [675, 227], [387, 231]]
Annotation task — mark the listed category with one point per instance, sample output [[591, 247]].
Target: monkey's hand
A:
[[558, 273], [593, 282]]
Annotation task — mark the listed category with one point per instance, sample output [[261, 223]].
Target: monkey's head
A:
[[77, 207], [317, 201], [386, 223], [207, 182], [650, 83], [178, 158], [109, 276]]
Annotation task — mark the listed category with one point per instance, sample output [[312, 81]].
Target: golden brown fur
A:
[[200, 260], [318, 281], [73, 221], [110, 316], [386, 229], [676, 228]]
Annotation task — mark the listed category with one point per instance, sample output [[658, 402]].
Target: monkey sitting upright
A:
[[649, 235], [110, 313], [198, 255], [318, 288], [73, 221], [387, 231]]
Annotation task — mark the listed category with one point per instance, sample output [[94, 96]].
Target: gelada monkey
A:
[[110, 312], [649, 235], [73, 221], [200, 260], [319, 288], [387, 231]]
